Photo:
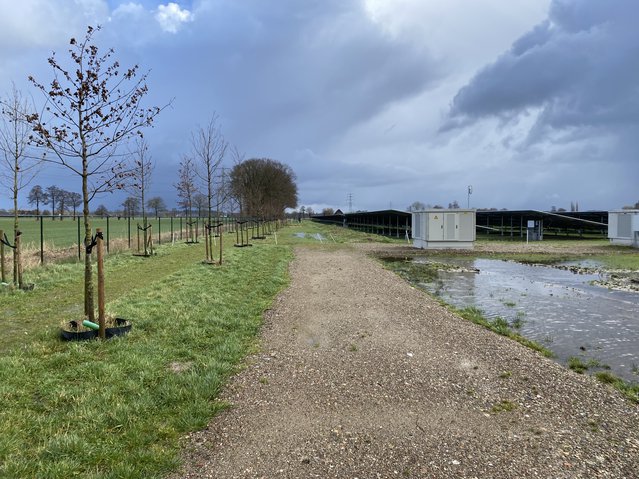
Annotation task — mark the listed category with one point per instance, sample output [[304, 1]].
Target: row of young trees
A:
[[92, 109]]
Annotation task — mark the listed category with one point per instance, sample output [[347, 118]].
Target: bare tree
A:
[[186, 191], [102, 211], [141, 177], [156, 204], [209, 147], [63, 198], [75, 199], [130, 205], [20, 168], [91, 107], [53, 196], [200, 202], [37, 196]]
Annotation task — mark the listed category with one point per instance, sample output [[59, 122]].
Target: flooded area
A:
[[316, 236], [557, 308]]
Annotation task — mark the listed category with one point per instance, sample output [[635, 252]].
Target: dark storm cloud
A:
[[284, 77], [579, 67], [289, 70]]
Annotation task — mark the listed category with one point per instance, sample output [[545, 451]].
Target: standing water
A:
[[556, 308]]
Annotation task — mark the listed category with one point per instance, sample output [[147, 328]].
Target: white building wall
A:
[[623, 227], [438, 228]]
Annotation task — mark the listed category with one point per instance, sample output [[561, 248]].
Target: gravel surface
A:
[[361, 375]]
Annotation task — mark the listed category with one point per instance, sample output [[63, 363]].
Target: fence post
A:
[[180, 228], [41, 240], [2, 272], [172, 237], [107, 239], [17, 267], [159, 231], [79, 253], [129, 229]]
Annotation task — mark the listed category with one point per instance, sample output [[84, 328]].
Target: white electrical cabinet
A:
[[623, 227], [439, 228]]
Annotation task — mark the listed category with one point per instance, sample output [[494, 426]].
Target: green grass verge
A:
[[628, 389], [117, 409]]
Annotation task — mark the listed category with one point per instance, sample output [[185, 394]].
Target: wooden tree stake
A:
[[2, 270], [101, 319]]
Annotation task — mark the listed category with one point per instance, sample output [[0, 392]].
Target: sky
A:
[[535, 103]]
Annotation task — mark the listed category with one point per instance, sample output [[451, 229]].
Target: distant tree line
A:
[[62, 202]]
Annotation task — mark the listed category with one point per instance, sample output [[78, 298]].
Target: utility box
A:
[[439, 228], [623, 227]]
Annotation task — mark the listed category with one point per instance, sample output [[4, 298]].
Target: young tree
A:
[[141, 177], [209, 147], [92, 106], [156, 204], [20, 168], [37, 196], [200, 202], [186, 190]]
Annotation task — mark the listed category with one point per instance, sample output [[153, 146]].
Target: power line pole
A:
[[349, 197]]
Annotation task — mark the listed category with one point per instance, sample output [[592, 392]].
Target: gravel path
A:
[[362, 376]]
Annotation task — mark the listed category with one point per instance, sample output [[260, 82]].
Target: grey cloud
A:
[[579, 67], [299, 70]]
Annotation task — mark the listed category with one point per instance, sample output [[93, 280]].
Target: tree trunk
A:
[[17, 270], [88, 270]]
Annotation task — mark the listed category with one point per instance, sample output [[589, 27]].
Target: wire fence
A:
[[47, 239]]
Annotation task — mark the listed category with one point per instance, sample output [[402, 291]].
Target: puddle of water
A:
[[316, 236], [558, 309]]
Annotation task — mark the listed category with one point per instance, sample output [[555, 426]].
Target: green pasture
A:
[[58, 234]]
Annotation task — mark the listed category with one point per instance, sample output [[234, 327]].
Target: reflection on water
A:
[[558, 309]]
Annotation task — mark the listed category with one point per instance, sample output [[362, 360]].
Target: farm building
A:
[[439, 228], [623, 227]]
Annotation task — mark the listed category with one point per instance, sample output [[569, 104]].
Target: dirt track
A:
[[361, 375]]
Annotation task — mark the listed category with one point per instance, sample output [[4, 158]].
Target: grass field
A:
[[64, 233]]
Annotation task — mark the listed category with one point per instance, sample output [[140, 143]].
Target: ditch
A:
[[562, 310]]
